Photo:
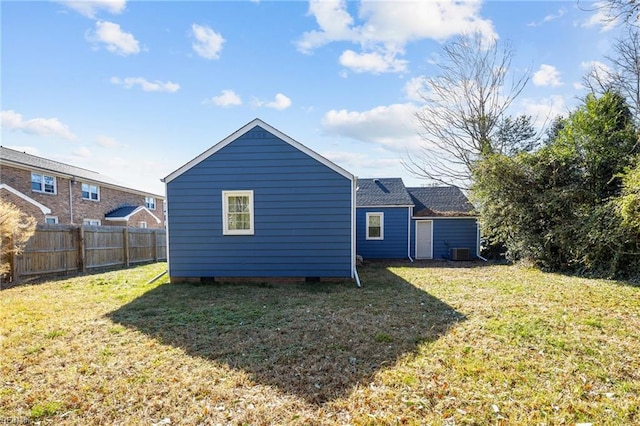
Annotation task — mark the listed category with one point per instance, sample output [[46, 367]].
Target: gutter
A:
[[409, 237]]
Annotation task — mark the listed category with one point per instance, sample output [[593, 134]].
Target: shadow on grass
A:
[[312, 340]]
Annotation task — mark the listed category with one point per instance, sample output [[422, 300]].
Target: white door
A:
[[424, 239]]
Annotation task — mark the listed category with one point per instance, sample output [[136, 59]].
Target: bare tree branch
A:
[[464, 105], [623, 76]]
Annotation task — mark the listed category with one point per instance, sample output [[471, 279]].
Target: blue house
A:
[[395, 222], [260, 204], [383, 219]]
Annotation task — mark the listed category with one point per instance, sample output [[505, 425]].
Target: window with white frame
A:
[[91, 222], [43, 183], [51, 219], [90, 192], [142, 224], [375, 226], [150, 203], [237, 213]]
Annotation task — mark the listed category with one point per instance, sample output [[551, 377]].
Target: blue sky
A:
[[135, 89]]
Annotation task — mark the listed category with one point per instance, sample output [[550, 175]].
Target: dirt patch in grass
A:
[[424, 343]]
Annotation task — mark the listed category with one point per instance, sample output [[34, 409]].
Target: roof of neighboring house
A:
[[382, 192], [125, 212], [32, 161], [440, 201]]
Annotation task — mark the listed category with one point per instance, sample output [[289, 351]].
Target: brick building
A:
[[55, 192]]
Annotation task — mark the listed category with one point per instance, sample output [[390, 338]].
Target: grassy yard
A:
[[442, 344]]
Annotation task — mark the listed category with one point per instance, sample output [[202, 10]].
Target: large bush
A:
[[571, 205]]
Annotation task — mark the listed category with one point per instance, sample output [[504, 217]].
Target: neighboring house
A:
[[395, 222], [54, 192], [260, 205]]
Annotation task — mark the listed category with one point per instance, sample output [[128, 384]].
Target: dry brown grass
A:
[[417, 345]]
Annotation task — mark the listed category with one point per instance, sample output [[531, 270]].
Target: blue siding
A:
[[448, 234], [396, 229], [302, 212]]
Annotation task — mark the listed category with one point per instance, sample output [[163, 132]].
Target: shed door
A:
[[424, 239]]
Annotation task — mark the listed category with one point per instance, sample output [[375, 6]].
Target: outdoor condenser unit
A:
[[459, 254]]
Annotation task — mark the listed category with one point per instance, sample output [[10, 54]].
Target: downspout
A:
[[166, 224], [354, 271], [478, 243], [409, 236], [71, 181]]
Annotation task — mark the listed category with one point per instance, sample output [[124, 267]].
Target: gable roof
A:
[[440, 201], [33, 162], [44, 209], [245, 129], [124, 213], [382, 192]]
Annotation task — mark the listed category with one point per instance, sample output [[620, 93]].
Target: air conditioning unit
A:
[[459, 254]]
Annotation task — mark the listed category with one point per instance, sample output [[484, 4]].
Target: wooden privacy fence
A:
[[63, 249]]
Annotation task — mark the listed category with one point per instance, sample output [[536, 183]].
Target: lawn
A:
[[434, 343]]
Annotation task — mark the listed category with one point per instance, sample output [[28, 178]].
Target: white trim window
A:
[[43, 183], [91, 222], [150, 203], [90, 192], [375, 226], [51, 220], [237, 213], [142, 224]]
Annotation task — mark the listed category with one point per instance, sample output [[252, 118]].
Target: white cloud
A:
[[547, 75], [384, 28], [544, 110], [602, 17], [602, 69], [358, 160], [281, 102], [145, 85], [374, 62], [11, 120], [116, 40], [226, 98], [208, 43], [551, 17], [414, 88], [107, 142], [90, 8], [82, 152], [391, 126]]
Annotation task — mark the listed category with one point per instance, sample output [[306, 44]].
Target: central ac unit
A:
[[459, 254]]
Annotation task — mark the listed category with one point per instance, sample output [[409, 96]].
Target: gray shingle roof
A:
[[121, 212], [17, 157], [382, 192], [440, 201]]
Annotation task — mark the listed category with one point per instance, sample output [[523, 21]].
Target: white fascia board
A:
[[385, 207], [442, 217], [246, 128], [127, 217], [42, 207]]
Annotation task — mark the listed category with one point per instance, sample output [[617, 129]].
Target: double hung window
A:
[[237, 213]]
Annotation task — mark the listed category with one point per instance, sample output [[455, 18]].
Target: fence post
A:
[[155, 245], [81, 250], [125, 236]]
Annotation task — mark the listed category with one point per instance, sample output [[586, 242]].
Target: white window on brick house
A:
[[43, 183], [237, 213], [51, 219], [150, 203], [91, 222], [90, 192], [142, 224], [375, 226]]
